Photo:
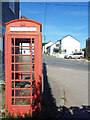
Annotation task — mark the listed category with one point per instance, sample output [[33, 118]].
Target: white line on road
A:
[[66, 69]]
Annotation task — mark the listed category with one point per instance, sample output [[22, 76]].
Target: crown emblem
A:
[[23, 24]]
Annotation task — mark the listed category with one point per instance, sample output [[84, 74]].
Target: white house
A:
[[66, 45], [54, 48], [46, 46]]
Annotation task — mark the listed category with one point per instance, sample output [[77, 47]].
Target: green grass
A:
[[87, 58]]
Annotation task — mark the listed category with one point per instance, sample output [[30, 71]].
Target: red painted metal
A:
[[19, 97]]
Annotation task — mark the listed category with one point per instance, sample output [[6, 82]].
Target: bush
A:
[[3, 87], [46, 52]]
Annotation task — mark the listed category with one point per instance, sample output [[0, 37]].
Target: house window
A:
[[55, 50], [57, 45], [11, 5], [60, 42], [64, 50]]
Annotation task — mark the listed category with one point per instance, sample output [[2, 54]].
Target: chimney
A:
[[19, 14]]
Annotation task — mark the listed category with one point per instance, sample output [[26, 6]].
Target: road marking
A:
[[66, 69]]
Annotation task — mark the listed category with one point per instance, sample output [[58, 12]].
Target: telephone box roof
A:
[[29, 20]]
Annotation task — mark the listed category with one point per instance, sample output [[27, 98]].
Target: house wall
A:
[[88, 48], [70, 44], [7, 15], [57, 44], [54, 46], [51, 49], [0, 56], [47, 45]]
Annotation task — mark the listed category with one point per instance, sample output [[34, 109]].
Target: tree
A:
[[44, 44], [84, 49]]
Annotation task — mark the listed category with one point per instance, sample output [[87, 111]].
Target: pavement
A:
[[68, 81], [73, 82], [2, 96], [0, 100]]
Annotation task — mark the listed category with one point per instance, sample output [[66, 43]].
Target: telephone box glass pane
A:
[[22, 92], [32, 50], [33, 103], [12, 67], [22, 76], [23, 67], [32, 41], [12, 50], [23, 50], [12, 84], [33, 83], [12, 92], [12, 101], [22, 42], [32, 76], [32, 59], [24, 84], [22, 101], [12, 41], [12, 76], [33, 67], [23, 59], [12, 59], [33, 92]]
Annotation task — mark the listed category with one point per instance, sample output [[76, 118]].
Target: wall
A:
[[59, 55], [8, 14], [54, 46], [51, 49], [1, 56], [47, 45], [70, 44], [88, 48]]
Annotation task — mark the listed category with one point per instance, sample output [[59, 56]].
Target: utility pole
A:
[[44, 42], [45, 25]]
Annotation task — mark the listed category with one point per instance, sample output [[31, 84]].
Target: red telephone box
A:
[[23, 66]]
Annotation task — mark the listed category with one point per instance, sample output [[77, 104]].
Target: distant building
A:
[[54, 48], [46, 46], [66, 45], [88, 48], [8, 11]]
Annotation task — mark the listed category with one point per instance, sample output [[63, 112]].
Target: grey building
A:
[[10, 11], [88, 48]]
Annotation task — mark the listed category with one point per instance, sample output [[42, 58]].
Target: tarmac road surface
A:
[[68, 81]]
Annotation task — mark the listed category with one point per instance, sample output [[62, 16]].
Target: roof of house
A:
[[70, 36], [51, 45], [63, 38], [48, 42]]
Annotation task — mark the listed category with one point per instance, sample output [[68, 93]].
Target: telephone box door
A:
[[23, 77]]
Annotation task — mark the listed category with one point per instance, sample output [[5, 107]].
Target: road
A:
[[68, 80]]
